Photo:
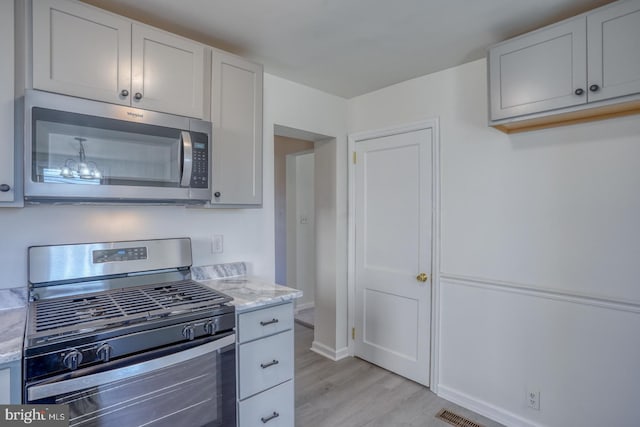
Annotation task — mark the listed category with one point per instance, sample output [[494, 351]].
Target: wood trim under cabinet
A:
[[571, 117]]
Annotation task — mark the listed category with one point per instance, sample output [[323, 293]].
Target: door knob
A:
[[422, 277]]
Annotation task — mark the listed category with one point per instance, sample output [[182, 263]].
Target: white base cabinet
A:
[[10, 383], [272, 408], [265, 367]]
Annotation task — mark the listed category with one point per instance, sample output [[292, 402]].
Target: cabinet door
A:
[[10, 384], [613, 36], [271, 408], [264, 363], [7, 171], [236, 112], [80, 50], [167, 72], [539, 71]]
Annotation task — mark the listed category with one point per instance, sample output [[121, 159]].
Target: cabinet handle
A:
[[217, 194], [5, 187], [270, 417], [138, 96], [579, 91], [263, 323], [124, 93], [594, 88], [266, 365]]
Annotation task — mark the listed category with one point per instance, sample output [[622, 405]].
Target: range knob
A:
[[212, 326], [104, 352], [72, 360], [189, 333]]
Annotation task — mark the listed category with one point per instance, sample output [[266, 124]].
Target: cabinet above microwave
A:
[[78, 150], [84, 51]]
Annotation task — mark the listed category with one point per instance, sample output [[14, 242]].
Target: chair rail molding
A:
[[557, 294]]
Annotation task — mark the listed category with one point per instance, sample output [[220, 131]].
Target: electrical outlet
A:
[[533, 399], [217, 244]]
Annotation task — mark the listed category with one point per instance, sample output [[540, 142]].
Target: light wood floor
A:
[[355, 393]]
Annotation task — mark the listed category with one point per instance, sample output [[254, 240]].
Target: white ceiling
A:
[[351, 47]]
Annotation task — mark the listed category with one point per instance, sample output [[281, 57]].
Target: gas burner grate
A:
[[123, 305]]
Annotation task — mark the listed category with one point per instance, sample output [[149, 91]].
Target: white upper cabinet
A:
[[83, 51], [167, 72], [236, 112], [7, 171], [614, 51], [540, 71], [573, 70], [80, 50]]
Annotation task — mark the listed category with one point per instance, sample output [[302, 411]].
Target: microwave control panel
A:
[[200, 163]]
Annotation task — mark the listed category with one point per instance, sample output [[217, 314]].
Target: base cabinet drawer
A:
[[268, 321], [271, 408], [265, 363]]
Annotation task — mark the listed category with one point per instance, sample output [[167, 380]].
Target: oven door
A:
[[191, 384]]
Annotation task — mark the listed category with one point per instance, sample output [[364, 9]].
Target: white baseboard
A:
[[328, 352], [488, 410], [306, 305]]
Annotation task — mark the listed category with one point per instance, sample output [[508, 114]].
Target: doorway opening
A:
[[294, 216]]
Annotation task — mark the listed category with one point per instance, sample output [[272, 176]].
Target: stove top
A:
[[97, 305], [66, 317]]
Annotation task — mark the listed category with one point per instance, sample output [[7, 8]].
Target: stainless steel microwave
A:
[[77, 150]]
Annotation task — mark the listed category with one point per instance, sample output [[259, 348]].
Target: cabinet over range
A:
[[78, 150]]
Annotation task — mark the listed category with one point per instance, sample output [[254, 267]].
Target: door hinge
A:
[[353, 333], [354, 157]]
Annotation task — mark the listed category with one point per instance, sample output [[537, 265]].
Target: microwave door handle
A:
[[187, 159], [44, 391]]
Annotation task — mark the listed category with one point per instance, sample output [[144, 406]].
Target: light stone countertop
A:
[[13, 314], [247, 292], [250, 293], [12, 322]]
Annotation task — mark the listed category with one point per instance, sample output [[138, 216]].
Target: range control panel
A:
[[124, 254]]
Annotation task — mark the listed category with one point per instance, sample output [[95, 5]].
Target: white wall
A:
[[301, 223], [45, 224], [295, 106], [539, 255]]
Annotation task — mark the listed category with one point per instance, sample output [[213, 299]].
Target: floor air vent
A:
[[455, 419]]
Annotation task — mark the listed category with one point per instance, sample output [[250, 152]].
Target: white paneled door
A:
[[392, 196]]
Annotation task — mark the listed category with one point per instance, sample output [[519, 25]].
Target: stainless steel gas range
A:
[[120, 333]]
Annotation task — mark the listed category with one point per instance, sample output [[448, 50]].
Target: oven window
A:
[[198, 392], [79, 149]]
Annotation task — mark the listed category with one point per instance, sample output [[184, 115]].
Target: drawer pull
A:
[[270, 417], [270, 322], [266, 365]]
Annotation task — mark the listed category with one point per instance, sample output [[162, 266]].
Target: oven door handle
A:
[[43, 391]]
